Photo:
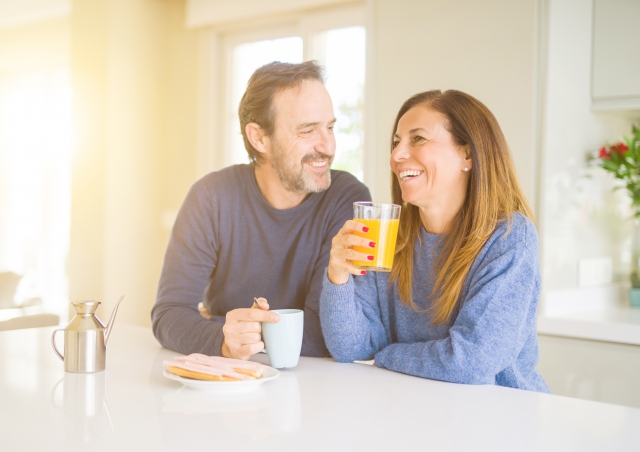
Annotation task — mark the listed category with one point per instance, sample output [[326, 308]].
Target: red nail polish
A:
[[365, 229], [370, 258], [363, 272], [372, 244]]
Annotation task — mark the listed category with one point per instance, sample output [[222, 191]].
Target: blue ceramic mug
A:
[[283, 340]]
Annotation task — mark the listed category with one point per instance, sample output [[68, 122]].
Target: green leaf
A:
[[610, 165]]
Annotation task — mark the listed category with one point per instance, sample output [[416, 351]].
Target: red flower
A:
[[620, 148]]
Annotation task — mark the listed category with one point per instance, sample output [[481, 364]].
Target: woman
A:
[[460, 303]]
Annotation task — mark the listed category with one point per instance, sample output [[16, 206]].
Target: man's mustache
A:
[[316, 156]]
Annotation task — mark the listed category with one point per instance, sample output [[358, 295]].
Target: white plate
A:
[[268, 373]]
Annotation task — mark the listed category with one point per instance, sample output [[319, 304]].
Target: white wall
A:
[[581, 217], [121, 76], [483, 47]]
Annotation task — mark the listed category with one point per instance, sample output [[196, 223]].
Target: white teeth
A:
[[318, 164], [405, 175]]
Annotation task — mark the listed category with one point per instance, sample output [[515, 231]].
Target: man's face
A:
[[303, 144]]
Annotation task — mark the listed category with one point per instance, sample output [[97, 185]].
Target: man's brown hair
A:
[[257, 105]]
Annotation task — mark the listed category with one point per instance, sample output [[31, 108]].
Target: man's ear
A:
[[258, 139]]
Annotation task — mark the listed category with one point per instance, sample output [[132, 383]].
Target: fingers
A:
[[343, 253], [248, 350], [204, 312], [242, 339], [242, 351], [341, 260], [346, 237], [242, 330], [252, 315], [261, 303], [351, 226]]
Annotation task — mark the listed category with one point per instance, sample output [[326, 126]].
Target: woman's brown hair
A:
[[493, 195]]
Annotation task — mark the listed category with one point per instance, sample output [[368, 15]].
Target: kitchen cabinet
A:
[[615, 71], [593, 370]]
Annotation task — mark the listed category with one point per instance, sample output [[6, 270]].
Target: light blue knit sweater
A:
[[491, 337]]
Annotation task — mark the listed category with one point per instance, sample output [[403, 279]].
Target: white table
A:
[[319, 405]]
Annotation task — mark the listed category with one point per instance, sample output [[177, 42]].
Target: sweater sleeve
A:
[[190, 258], [491, 327], [351, 318], [313, 343]]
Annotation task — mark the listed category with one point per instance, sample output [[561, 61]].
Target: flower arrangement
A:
[[622, 159]]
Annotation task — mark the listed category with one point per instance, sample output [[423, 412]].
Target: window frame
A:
[[216, 48]]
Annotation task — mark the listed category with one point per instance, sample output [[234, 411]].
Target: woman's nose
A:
[[399, 153]]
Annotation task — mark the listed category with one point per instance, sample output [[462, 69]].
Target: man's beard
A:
[[293, 175]]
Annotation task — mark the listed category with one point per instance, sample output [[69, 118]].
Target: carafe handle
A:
[[53, 343]]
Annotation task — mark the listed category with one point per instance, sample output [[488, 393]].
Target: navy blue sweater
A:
[[229, 244]]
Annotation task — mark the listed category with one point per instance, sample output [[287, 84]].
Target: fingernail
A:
[[363, 272], [365, 229], [370, 258], [372, 244]]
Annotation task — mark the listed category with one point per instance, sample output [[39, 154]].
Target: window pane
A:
[[344, 58], [246, 58], [35, 185]]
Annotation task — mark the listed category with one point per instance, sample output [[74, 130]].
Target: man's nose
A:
[[326, 143]]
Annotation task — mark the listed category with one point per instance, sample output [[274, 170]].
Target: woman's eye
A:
[[395, 144]]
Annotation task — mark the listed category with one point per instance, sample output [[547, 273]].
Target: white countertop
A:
[[599, 313], [319, 405], [612, 324]]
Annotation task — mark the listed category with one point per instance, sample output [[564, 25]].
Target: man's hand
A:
[[242, 329]]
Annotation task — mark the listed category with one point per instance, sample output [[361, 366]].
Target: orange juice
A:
[[384, 233]]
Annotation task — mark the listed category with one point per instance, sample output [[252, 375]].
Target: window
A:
[[245, 59], [35, 170], [336, 38]]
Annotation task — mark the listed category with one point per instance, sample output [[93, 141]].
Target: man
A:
[[259, 230]]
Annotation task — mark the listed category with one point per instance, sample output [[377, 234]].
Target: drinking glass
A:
[[382, 221]]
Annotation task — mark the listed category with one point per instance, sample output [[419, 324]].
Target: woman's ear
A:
[[466, 157], [257, 137]]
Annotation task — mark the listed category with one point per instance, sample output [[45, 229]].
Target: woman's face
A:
[[428, 164]]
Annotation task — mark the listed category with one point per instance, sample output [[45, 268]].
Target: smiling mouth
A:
[[409, 174], [318, 163]]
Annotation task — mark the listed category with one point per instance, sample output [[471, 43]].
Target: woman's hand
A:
[[343, 255]]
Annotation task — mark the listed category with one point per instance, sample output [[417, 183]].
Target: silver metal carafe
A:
[[85, 339]]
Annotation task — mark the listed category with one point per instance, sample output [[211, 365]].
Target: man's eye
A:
[[306, 132]]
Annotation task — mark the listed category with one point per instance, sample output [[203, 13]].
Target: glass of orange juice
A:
[[382, 221]]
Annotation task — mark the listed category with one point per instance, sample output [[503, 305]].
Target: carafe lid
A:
[[85, 307]]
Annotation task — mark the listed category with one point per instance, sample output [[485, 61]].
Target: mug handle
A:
[[53, 343]]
